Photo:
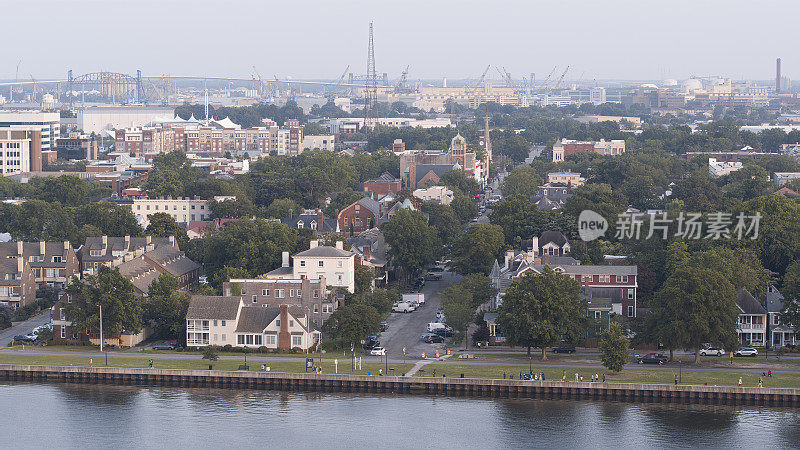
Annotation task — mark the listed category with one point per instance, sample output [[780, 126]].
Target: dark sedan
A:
[[653, 358], [564, 349]]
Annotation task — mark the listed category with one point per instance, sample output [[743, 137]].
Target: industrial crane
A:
[[547, 78], [334, 91], [561, 78], [401, 83], [480, 81], [260, 83], [38, 88]]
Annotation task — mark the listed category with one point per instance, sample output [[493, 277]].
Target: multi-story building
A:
[[334, 264], [384, 184], [313, 220], [183, 210], [227, 321], [572, 179], [779, 333], [222, 136], [146, 140], [17, 283], [112, 251], [781, 178], [351, 125], [721, 168], [566, 147], [98, 118], [752, 329], [20, 151], [360, 216], [311, 296], [422, 167], [151, 264], [46, 123], [436, 194], [77, 146], [52, 263], [323, 142]]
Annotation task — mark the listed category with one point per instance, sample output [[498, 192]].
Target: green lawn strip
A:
[[626, 376], [710, 361], [199, 364]]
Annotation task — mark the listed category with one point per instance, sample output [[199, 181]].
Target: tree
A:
[[480, 286], [210, 353], [363, 277], [380, 299], [697, 305], [522, 181], [540, 310], [283, 208], [413, 244], [778, 242], [519, 219], [351, 324], [614, 347], [165, 308], [790, 288], [459, 309], [122, 311], [164, 225], [444, 219], [476, 250]]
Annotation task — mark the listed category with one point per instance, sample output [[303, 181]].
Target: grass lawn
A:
[[626, 376], [710, 361], [198, 364]]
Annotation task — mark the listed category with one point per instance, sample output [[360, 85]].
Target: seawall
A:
[[464, 387]]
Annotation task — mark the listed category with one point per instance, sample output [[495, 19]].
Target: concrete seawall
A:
[[464, 387]]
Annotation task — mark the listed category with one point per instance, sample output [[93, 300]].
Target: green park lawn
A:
[[730, 378]]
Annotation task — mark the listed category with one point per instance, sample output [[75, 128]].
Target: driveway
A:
[[405, 329], [25, 327]]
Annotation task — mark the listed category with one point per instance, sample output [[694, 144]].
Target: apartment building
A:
[[77, 146], [111, 251], [566, 147], [183, 210], [224, 321], [334, 264], [572, 179], [147, 140], [52, 263], [48, 124], [351, 125], [17, 283], [323, 142], [223, 136], [436, 194]]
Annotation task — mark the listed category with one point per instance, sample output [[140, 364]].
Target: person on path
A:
[[564, 376], [604, 378], [542, 376], [760, 382], [676, 380], [596, 377], [150, 363], [90, 362], [740, 381], [576, 377]]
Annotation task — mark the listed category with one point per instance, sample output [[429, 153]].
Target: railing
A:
[[751, 326]]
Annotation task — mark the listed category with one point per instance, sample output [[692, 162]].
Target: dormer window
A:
[[95, 253], [58, 259], [300, 224]]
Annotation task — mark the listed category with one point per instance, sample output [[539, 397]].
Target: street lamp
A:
[[680, 371]]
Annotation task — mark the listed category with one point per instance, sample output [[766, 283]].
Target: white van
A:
[[433, 326], [419, 299], [403, 307]]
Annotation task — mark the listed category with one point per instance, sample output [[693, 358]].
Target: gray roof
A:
[[213, 307], [253, 319], [328, 224], [774, 300], [385, 177], [117, 244], [172, 260], [438, 169], [555, 237], [281, 271], [599, 270], [748, 304], [324, 251], [33, 249], [490, 317], [140, 272], [371, 205]]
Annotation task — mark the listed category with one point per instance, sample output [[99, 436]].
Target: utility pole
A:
[[371, 88], [101, 327]]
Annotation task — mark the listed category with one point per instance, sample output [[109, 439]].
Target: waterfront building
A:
[[52, 263], [334, 264]]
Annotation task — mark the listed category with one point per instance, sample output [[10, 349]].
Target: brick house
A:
[[17, 282], [52, 263], [311, 296], [360, 216], [384, 184]]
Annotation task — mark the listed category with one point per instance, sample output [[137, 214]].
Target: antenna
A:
[[205, 89], [371, 88]]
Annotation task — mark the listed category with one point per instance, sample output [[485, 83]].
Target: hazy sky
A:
[[628, 39]]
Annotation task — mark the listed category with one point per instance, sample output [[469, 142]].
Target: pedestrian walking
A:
[[604, 378], [90, 362], [769, 374], [760, 382], [676, 380], [596, 377], [581, 379], [564, 375], [150, 363], [542, 376], [740, 381]]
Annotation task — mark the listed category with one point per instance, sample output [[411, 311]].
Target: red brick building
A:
[[384, 184], [360, 216]]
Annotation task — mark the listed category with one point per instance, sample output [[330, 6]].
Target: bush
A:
[[263, 349], [227, 348], [297, 350]]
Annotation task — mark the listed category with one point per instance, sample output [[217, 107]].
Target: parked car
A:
[[372, 343], [653, 358], [563, 349], [432, 338], [433, 326], [433, 276], [25, 338], [444, 332], [384, 326], [403, 307], [378, 351], [164, 346], [712, 351], [746, 351]]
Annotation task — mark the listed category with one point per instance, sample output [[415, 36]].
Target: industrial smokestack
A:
[[778, 76]]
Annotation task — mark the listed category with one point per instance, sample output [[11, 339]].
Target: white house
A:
[[752, 328], [335, 264], [437, 194], [720, 168], [780, 334], [223, 321]]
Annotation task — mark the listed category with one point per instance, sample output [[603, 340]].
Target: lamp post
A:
[[101, 328], [680, 371]]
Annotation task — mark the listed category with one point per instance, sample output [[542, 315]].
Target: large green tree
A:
[[459, 308], [541, 310], [122, 310], [697, 305], [413, 244], [477, 248], [164, 225], [522, 181], [614, 347], [351, 324], [165, 308]]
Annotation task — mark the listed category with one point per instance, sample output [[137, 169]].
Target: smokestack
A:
[[778, 76], [284, 259]]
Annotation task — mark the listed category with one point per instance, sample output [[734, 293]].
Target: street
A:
[[405, 329], [23, 327]]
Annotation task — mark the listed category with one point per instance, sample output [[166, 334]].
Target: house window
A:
[[265, 292], [630, 294], [249, 339], [63, 332], [95, 253], [597, 314], [224, 338], [302, 263], [316, 309], [240, 339], [278, 293], [624, 278], [255, 299], [215, 322], [630, 311], [321, 263], [297, 341], [316, 293], [223, 324], [340, 264], [291, 292], [291, 323], [258, 339], [271, 339]]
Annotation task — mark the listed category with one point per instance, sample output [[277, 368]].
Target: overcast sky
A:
[[623, 39]]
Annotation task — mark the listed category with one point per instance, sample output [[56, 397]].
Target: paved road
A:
[[23, 327], [405, 329]]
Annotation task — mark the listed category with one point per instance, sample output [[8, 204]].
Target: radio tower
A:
[[371, 89]]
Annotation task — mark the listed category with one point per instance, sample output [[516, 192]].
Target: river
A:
[[103, 416]]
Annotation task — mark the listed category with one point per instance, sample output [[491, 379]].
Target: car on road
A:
[[653, 358], [432, 338], [712, 351], [444, 332], [746, 351], [25, 338], [563, 349], [378, 351], [372, 343], [163, 346], [433, 326], [384, 326], [403, 307]]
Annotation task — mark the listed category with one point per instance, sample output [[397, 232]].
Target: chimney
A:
[[340, 245], [366, 252], [42, 247], [509, 257], [66, 246], [20, 264], [545, 259], [291, 215], [127, 243], [19, 248], [778, 76], [285, 259], [320, 219], [148, 239], [105, 241], [313, 244], [172, 241], [284, 338]]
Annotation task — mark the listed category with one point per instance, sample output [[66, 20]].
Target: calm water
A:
[[81, 416]]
